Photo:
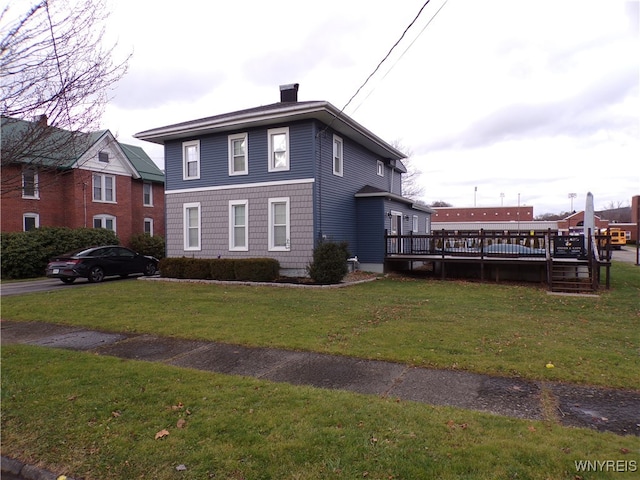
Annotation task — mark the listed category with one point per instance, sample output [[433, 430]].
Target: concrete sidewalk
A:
[[602, 409]]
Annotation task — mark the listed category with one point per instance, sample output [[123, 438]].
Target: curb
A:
[[18, 470]]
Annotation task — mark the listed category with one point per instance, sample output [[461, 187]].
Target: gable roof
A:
[[369, 191], [58, 148], [147, 169], [275, 113]]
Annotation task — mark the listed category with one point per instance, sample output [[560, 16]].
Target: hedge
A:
[[231, 269], [26, 254]]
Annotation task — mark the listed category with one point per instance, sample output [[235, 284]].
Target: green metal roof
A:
[[58, 148]]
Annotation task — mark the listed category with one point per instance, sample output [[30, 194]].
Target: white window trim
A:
[[185, 170], [103, 218], [36, 181], [232, 231], [415, 224], [185, 208], [150, 204], [280, 248], [380, 168], [35, 216], [270, 133], [338, 155], [232, 138], [150, 221], [103, 189]]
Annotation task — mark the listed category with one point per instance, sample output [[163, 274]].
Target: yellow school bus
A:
[[618, 237]]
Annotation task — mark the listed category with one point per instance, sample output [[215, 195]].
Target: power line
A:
[[387, 55], [402, 54]]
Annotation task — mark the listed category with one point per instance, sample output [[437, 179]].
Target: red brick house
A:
[[77, 180]]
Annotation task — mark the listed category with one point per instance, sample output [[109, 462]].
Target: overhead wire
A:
[[401, 55]]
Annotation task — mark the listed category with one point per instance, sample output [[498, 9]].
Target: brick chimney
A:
[[289, 93]]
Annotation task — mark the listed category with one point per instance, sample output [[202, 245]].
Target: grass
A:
[[97, 417], [507, 330]]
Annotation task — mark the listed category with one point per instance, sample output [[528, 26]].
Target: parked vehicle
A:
[[97, 263]]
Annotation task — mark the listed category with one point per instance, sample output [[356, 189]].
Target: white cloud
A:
[[537, 98]]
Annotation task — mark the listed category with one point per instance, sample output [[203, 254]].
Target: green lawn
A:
[[487, 328], [97, 417]]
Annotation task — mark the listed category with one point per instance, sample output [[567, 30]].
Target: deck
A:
[[564, 263]]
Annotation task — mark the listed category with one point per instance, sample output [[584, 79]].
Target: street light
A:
[[502, 199], [572, 196]]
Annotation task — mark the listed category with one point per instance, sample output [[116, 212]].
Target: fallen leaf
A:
[[72, 398], [181, 423], [179, 406], [181, 468], [531, 428], [115, 414], [624, 450], [162, 433]]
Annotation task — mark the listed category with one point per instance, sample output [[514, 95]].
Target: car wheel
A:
[[68, 280], [150, 269], [96, 275]]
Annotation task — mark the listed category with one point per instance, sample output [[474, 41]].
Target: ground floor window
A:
[[238, 229], [192, 226], [30, 221], [148, 226], [105, 221], [279, 224]]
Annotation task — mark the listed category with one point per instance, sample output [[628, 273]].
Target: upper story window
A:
[[192, 226], [279, 224], [415, 224], [338, 161], [238, 154], [105, 221], [30, 183], [103, 157], [104, 188], [191, 160], [147, 194], [278, 149], [380, 168], [30, 221], [238, 229]]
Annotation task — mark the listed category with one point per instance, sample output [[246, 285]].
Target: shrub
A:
[[26, 254], [145, 244], [257, 269], [329, 262], [245, 269]]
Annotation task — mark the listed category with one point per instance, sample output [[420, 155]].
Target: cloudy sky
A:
[[527, 101]]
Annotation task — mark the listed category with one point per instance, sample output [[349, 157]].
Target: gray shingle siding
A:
[[215, 223]]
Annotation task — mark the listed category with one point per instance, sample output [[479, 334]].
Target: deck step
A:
[[571, 278]]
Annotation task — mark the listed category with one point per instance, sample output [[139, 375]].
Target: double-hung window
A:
[[238, 154], [279, 224], [30, 183], [191, 160], [147, 194], [104, 188], [414, 228], [380, 168], [278, 139], [238, 228], [192, 221], [338, 160]]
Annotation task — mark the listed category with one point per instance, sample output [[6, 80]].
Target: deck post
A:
[[482, 254]]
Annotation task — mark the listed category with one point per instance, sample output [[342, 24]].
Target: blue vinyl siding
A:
[[337, 215], [370, 222], [214, 160]]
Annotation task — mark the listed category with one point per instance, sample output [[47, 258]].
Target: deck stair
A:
[[571, 277]]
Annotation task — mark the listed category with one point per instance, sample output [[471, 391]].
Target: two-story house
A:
[[53, 177], [275, 180]]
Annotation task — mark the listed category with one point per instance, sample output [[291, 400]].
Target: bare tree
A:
[[55, 69], [411, 187]]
